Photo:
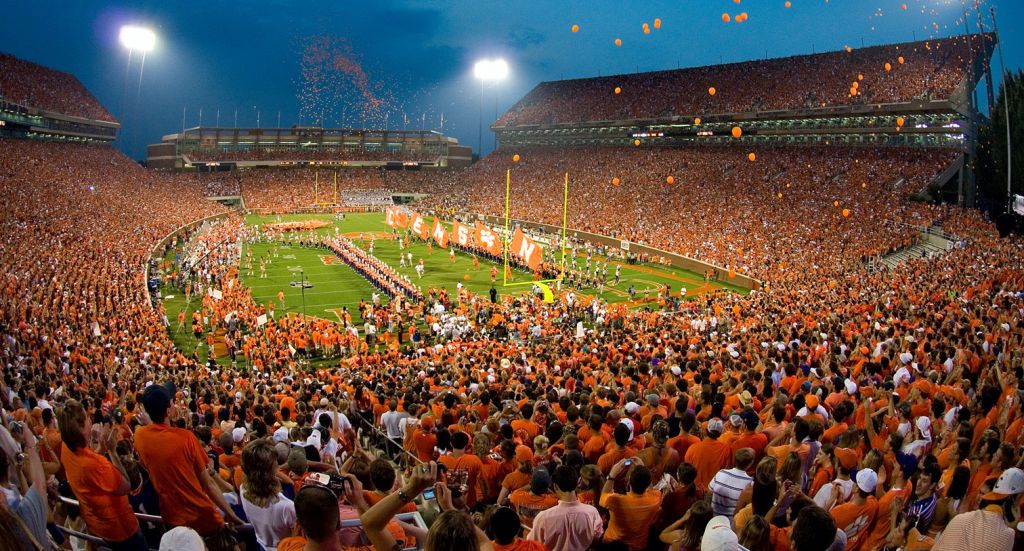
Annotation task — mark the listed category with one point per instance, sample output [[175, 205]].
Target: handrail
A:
[[156, 519]]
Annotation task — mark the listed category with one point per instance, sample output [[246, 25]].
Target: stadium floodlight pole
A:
[[487, 70], [1006, 107]]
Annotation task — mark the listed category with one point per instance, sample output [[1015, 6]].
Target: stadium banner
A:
[[488, 240], [261, 320], [419, 226], [439, 233], [460, 233], [525, 248]]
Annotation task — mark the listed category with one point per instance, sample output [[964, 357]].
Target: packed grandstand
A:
[[835, 406]]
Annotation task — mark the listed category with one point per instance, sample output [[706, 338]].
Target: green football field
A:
[[332, 285]]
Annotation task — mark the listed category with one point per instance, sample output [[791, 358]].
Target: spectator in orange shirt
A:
[[101, 485], [504, 529], [463, 469], [178, 469], [709, 455], [529, 502], [623, 435], [632, 514]]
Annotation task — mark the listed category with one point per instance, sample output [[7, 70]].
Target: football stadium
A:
[[763, 303]]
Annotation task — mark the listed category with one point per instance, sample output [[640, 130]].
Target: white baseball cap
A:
[[238, 434], [1010, 483], [181, 538], [718, 536], [867, 480]]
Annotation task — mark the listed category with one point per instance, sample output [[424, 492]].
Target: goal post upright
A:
[[506, 249]]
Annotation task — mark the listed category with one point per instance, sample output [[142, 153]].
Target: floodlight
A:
[[137, 38]]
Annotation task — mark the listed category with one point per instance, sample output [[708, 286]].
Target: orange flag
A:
[[488, 239], [396, 218], [461, 233], [419, 226], [526, 249], [439, 234]]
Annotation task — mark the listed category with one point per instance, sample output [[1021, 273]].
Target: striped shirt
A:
[[726, 488], [978, 531]]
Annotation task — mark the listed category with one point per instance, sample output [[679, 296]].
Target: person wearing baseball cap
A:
[[856, 515], [177, 466], [991, 527], [709, 455], [718, 536]]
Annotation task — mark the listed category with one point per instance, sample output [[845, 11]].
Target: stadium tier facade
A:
[[218, 149], [918, 94], [38, 102]]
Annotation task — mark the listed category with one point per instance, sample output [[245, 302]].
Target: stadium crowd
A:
[[839, 408], [35, 86], [930, 69]]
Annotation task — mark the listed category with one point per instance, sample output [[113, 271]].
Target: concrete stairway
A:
[[933, 243]]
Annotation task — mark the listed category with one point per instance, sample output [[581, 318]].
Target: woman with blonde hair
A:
[[272, 514], [756, 534], [685, 533]]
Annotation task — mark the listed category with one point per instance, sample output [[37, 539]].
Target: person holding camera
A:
[[630, 515], [23, 503]]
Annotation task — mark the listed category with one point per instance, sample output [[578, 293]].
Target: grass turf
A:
[[335, 285]]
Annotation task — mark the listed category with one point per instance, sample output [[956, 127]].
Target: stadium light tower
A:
[[487, 70]]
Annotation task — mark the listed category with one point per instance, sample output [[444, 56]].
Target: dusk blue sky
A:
[[213, 54]]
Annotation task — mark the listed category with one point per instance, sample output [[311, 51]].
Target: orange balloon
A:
[[515, 158], [575, 28], [780, 195], [863, 184], [789, 4], [856, 84], [888, 67], [657, 23], [742, 17], [712, 91], [846, 213], [904, 6], [751, 157], [900, 59], [465, 277], [696, 121], [647, 30], [618, 42], [860, 77], [737, 132], [853, 91], [618, 90], [670, 180], [615, 181], [900, 121], [835, 203], [636, 142], [725, 17]]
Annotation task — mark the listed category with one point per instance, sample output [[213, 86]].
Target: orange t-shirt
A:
[[855, 520], [94, 480], [515, 480], [528, 506], [464, 471], [631, 517], [175, 460], [708, 456]]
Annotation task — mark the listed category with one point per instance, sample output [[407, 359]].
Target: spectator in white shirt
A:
[[272, 515]]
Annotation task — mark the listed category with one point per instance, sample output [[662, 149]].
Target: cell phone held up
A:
[[335, 483]]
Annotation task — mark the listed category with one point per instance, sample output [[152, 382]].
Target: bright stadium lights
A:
[[137, 38], [488, 70]]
